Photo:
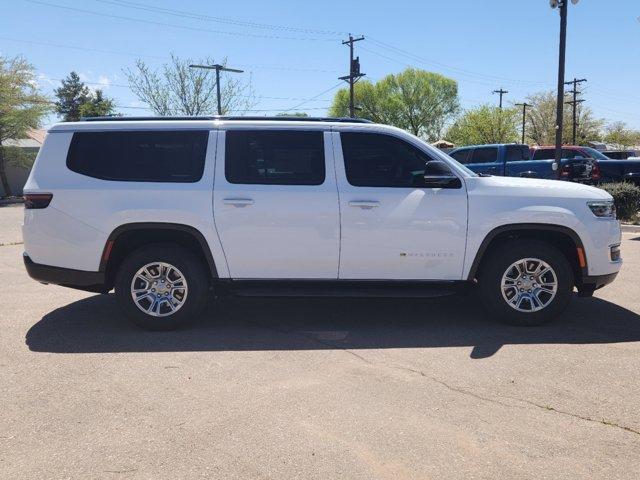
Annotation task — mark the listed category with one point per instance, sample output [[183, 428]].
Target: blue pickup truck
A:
[[514, 160]]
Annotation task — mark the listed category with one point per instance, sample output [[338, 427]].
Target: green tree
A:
[[541, 121], [620, 135], [292, 114], [22, 108], [71, 96], [416, 100], [177, 89], [97, 105], [485, 124]]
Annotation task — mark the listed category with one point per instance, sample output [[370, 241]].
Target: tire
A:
[[166, 305], [531, 301]]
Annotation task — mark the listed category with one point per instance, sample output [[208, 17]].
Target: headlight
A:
[[603, 208]]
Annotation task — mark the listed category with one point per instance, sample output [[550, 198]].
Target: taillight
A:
[[565, 171], [595, 171], [37, 200]]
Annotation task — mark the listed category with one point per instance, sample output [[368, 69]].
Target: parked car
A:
[[610, 170], [620, 154], [514, 160], [169, 211]]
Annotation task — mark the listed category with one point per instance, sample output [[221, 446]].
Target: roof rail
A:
[[235, 118]]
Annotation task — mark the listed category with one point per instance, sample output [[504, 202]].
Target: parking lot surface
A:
[[316, 388]]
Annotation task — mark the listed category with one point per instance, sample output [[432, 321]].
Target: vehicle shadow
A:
[[95, 325]]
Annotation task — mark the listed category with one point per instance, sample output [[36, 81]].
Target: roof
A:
[[281, 118], [34, 139]]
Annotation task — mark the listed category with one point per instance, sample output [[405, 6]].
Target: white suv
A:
[[167, 211]]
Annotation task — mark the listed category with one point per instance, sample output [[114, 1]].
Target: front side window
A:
[[484, 155], [377, 160], [275, 157], [139, 156]]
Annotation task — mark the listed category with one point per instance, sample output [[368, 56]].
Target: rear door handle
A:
[[238, 202], [364, 203]]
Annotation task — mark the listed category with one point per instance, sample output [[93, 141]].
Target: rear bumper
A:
[[67, 277]]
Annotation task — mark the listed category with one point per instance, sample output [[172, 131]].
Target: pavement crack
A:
[[8, 244], [450, 387], [603, 421]]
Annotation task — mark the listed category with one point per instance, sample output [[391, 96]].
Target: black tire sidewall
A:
[[183, 260], [498, 262]]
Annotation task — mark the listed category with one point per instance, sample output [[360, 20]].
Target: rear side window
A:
[[517, 153], [276, 157], [461, 155], [484, 155], [544, 154], [139, 156]]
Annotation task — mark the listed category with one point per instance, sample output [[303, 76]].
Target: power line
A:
[[461, 71], [224, 20], [315, 96], [172, 25]]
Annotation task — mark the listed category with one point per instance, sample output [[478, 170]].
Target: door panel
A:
[[270, 227], [396, 232]]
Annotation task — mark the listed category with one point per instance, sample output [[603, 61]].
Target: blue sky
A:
[[292, 49]]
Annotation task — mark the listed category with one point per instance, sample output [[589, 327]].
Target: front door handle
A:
[[238, 202], [366, 204]]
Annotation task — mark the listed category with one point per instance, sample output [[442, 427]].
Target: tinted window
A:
[[589, 152], [135, 156], [376, 160], [484, 155], [460, 155], [517, 153], [275, 157], [544, 154]]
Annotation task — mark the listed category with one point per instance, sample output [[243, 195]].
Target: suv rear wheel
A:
[[161, 286], [526, 283]]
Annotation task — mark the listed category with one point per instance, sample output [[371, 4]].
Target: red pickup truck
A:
[[609, 170]]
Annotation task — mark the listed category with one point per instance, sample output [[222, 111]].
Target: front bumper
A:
[[591, 283], [66, 277]]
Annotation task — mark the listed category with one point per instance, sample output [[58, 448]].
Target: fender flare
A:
[[129, 227], [522, 226]]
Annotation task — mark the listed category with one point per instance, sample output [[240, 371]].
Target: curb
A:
[[11, 201]]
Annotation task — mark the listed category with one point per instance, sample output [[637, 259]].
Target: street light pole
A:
[[562, 5], [218, 68], [560, 98]]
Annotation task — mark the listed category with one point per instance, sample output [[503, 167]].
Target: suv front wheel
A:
[[161, 286], [526, 283]]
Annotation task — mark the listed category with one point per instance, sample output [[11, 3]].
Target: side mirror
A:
[[441, 181], [437, 174]]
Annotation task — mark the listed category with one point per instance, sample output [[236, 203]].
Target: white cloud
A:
[[104, 82]]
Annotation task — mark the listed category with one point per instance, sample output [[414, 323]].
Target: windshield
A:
[[595, 153]]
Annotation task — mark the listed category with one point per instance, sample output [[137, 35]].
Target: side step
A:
[[343, 288]]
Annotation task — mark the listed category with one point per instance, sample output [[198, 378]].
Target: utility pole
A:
[[218, 69], [354, 72], [524, 106], [501, 92], [574, 103]]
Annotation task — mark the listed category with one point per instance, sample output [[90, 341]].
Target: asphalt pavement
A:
[[316, 388]]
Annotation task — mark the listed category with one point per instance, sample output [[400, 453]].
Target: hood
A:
[[536, 188]]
